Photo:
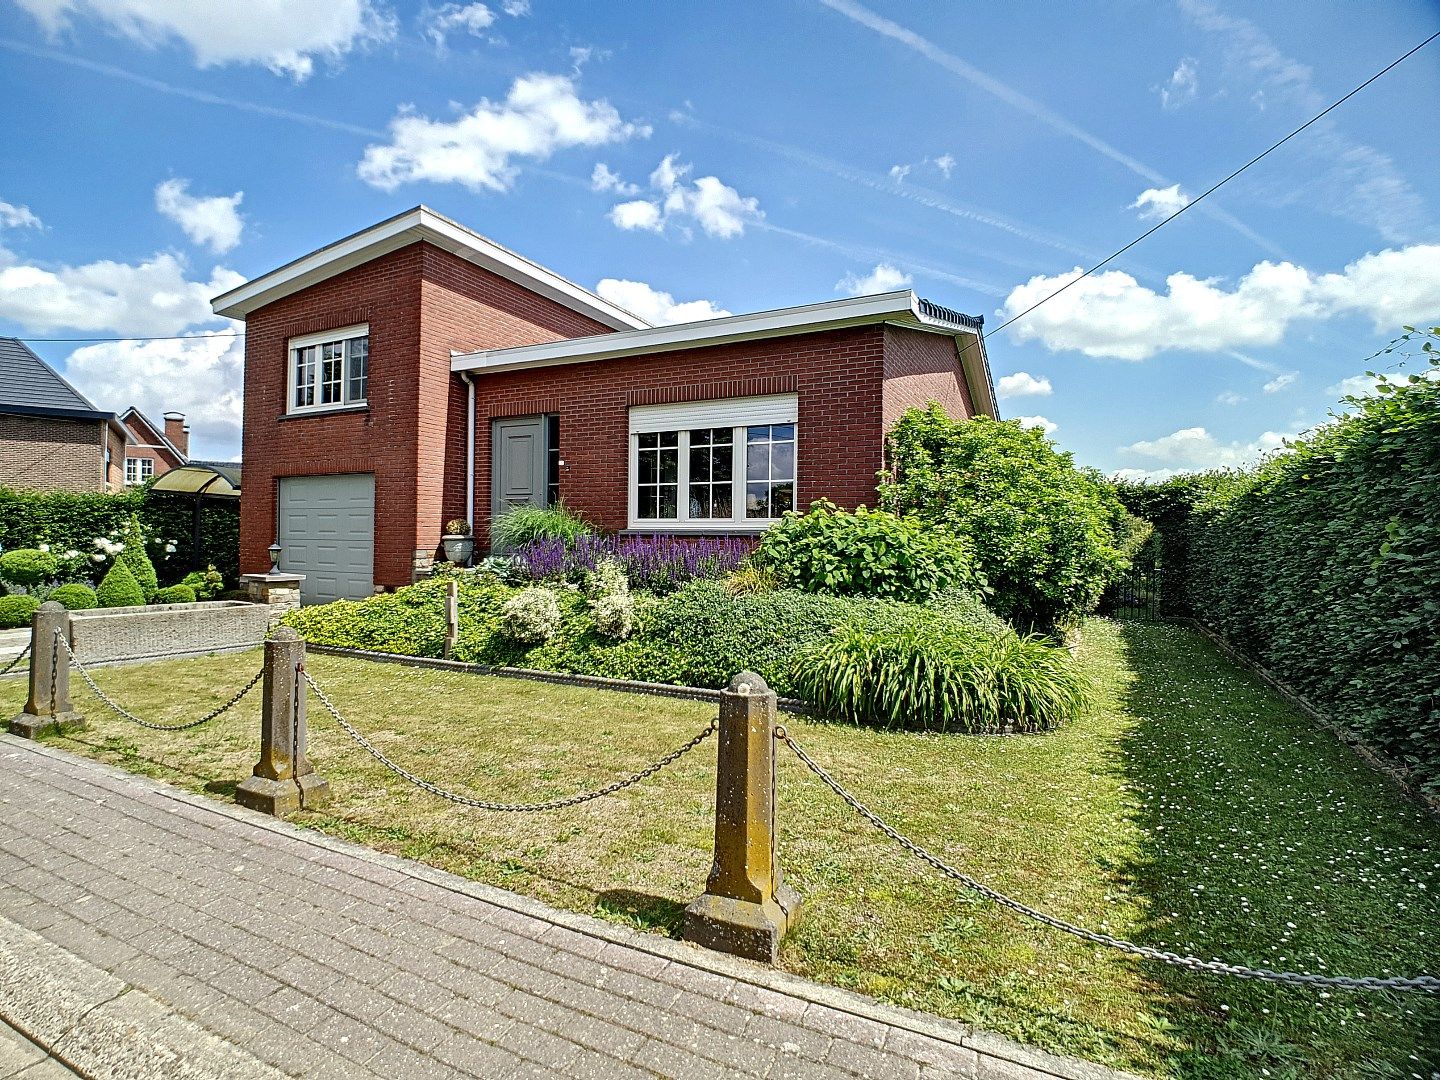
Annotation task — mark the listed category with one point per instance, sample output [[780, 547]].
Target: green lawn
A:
[[1192, 810]]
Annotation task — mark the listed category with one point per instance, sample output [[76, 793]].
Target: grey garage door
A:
[[327, 533]]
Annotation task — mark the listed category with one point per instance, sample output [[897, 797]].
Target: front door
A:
[[518, 469]]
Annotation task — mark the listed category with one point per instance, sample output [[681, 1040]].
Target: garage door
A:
[[327, 533]]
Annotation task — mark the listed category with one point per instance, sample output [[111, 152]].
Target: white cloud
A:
[[885, 277], [214, 221], [516, 8], [540, 115], [716, 207], [1041, 422], [1354, 386], [17, 217], [268, 32], [1112, 315], [899, 172], [1023, 384], [1229, 397], [1280, 382], [202, 376], [603, 179], [1195, 448], [1182, 86], [1153, 204], [946, 164], [154, 297], [472, 19], [654, 306], [1145, 476]]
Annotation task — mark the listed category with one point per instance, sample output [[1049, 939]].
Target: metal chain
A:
[[125, 713], [14, 662], [480, 804], [1428, 983]]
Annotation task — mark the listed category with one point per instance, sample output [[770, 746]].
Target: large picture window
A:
[[329, 370], [712, 465]]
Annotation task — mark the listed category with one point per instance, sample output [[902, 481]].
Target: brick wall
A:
[[50, 454], [921, 367], [837, 376], [140, 436], [411, 434], [115, 468]]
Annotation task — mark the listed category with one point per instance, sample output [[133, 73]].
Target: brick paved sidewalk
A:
[[183, 937]]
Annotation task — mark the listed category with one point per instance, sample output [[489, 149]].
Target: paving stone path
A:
[[147, 932]]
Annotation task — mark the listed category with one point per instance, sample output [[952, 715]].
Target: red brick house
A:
[[153, 450], [417, 372]]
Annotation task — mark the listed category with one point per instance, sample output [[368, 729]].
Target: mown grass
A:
[[1191, 809]]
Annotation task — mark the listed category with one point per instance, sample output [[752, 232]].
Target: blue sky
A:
[[157, 151]]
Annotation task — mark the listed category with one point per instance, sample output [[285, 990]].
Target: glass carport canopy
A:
[[205, 481]]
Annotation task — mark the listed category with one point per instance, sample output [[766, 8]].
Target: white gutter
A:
[[469, 451], [901, 305]]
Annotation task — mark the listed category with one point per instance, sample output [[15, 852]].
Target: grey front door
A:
[[518, 468]]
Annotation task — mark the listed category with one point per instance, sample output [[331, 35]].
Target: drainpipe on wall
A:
[[469, 451]]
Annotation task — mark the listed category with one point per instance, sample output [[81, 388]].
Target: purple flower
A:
[[659, 563]]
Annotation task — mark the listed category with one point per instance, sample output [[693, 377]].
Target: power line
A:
[[156, 337], [1213, 188]]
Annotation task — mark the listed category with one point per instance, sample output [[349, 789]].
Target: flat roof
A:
[[419, 223]]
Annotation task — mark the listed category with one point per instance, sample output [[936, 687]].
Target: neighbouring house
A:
[[52, 437], [153, 450], [416, 372]]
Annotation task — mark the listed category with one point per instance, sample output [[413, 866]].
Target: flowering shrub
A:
[[532, 616], [614, 614], [659, 564]]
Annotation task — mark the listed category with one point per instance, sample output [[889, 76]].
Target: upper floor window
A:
[[138, 469], [712, 464], [329, 370]]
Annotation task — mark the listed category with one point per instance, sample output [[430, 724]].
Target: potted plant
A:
[[459, 545]]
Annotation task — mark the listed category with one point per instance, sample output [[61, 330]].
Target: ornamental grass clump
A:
[[522, 525], [918, 677]]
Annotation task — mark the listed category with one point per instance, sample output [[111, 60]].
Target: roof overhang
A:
[[405, 229], [901, 307], [46, 411]]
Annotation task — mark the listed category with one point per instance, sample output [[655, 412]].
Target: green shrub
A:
[[751, 579], [532, 615], [525, 524], [207, 583], [1046, 534], [17, 611], [175, 594], [925, 678], [74, 597], [28, 567], [136, 560], [118, 588], [966, 609], [867, 553]]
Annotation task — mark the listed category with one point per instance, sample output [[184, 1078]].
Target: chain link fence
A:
[[519, 808], [1428, 983]]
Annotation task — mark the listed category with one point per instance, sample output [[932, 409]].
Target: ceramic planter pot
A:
[[458, 549]]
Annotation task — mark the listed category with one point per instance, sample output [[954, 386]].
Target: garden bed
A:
[[1194, 809]]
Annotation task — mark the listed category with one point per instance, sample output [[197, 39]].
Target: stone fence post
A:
[[746, 907], [283, 780], [279, 590], [49, 667]]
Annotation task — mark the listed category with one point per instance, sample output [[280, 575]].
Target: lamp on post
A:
[[274, 550]]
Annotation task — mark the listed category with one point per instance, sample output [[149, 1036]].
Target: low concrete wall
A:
[[103, 634]]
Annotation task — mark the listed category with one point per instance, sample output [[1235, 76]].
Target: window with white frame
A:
[[329, 370], [138, 469], [712, 464]]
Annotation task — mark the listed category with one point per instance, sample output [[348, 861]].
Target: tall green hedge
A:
[[72, 520], [1324, 564]]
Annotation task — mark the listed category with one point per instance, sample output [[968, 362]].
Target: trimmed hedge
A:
[[74, 597], [17, 611], [118, 588], [28, 567], [175, 594], [1323, 562]]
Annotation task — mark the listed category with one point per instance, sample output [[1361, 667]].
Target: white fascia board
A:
[[421, 223], [901, 305]]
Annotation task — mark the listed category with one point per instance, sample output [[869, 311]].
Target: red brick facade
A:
[[144, 444], [421, 303]]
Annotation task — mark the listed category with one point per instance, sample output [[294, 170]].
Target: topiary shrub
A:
[[1046, 534], [136, 560], [867, 553], [207, 583], [523, 525], [17, 611], [175, 594], [118, 588], [532, 616], [928, 678], [28, 567], [74, 597]]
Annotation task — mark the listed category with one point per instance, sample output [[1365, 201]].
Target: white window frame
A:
[[343, 335], [738, 414], [142, 474]]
